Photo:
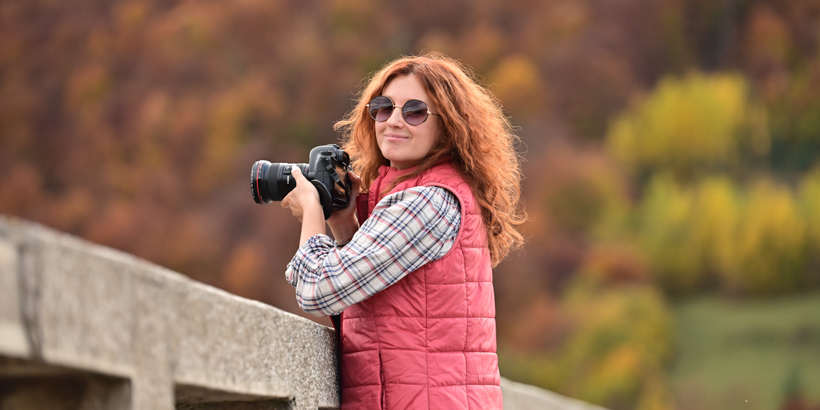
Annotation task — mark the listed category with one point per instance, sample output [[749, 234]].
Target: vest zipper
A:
[[381, 379]]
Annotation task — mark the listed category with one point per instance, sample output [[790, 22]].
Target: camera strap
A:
[[335, 175], [336, 178]]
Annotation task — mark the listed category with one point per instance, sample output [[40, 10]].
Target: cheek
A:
[[432, 137], [379, 128]]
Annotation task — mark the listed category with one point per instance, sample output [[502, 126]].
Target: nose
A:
[[396, 120]]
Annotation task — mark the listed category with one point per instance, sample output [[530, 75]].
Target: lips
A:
[[395, 137]]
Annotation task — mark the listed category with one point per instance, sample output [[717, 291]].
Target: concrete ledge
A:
[[525, 397], [86, 327], [71, 310]]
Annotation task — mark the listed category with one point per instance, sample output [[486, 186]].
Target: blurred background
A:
[[670, 146]]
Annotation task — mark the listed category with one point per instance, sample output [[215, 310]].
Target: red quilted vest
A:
[[429, 340]]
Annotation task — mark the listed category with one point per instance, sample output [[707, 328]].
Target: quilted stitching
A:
[[440, 355]]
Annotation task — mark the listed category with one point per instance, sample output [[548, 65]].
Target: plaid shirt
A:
[[406, 230]]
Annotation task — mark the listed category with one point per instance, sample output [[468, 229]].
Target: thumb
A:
[[296, 173]]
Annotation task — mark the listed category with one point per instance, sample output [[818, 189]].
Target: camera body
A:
[[326, 169]]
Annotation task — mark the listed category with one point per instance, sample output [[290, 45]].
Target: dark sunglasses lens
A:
[[381, 108], [415, 112]]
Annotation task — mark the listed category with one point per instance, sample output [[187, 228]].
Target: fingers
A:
[[298, 199], [288, 203], [355, 180]]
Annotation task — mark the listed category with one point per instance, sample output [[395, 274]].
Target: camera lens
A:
[[259, 182], [271, 181]]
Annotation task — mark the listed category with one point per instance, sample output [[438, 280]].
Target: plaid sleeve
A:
[[406, 230]]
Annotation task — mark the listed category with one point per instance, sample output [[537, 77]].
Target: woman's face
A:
[[403, 144]]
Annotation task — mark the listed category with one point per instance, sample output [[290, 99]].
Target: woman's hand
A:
[[343, 223], [304, 204]]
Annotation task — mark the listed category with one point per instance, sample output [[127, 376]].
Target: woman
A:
[[410, 271]]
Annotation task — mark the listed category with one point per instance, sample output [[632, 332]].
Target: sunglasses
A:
[[414, 112]]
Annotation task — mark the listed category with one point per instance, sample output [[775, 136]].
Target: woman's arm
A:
[[405, 231]]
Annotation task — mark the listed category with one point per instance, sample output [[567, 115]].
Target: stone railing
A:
[[87, 327]]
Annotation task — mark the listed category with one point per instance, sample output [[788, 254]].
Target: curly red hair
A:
[[475, 135]]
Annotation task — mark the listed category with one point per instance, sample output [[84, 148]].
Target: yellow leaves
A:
[[752, 241], [715, 220], [698, 225], [518, 85], [687, 232], [622, 341], [809, 201], [689, 126], [668, 237], [611, 344], [618, 374], [618, 341], [770, 243], [656, 394]]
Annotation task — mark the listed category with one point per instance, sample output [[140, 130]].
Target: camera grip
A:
[[324, 198]]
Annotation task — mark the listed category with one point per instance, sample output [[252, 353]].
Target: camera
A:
[[326, 169]]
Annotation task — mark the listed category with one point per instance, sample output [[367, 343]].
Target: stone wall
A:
[[87, 327]]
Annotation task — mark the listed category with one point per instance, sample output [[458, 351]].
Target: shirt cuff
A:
[[308, 257]]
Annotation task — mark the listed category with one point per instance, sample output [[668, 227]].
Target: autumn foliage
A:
[[671, 148]]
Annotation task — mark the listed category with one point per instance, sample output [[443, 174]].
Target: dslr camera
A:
[[326, 169]]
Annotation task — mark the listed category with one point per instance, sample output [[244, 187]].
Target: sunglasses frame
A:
[[403, 113]]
